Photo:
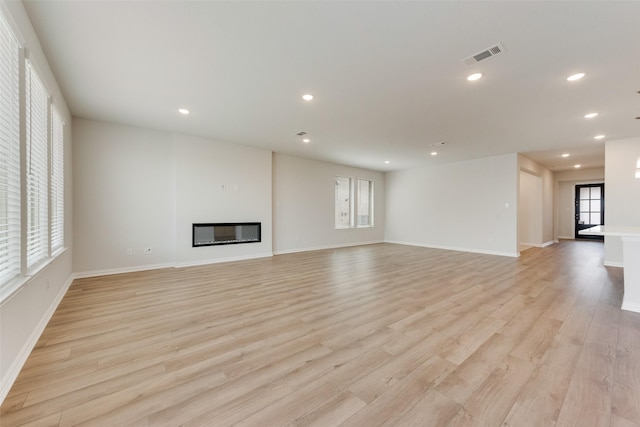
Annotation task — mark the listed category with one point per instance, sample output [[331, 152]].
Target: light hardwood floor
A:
[[365, 336]]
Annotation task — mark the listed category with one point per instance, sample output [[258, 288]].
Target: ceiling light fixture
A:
[[577, 166], [387, 162], [183, 111], [590, 115], [598, 137], [474, 77], [434, 153], [577, 76], [307, 97], [566, 155], [638, 168], [306, 140]]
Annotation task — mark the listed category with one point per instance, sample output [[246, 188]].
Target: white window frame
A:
[[358, 208], [338, 225], [56, 182], [36, 171], [355, 208]]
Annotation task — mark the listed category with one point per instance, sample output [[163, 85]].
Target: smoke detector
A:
[[484, 54]]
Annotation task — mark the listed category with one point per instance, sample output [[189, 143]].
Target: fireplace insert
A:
[[226, 233]]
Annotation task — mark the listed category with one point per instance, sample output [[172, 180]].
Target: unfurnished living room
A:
[[319, 213]]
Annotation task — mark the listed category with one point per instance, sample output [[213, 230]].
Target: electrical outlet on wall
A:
[[129, 252], [147, 251]]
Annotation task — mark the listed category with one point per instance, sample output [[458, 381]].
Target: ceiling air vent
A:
[[485, 54], [301, 133]]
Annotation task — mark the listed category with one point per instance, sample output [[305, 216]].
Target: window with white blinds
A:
[[9, 155], [31, 168], [57, 180], [37, 167]]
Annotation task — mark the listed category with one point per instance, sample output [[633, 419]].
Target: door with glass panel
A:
[[589, 208]]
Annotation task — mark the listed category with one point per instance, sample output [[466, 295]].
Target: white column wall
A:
[[622, 193], [219, 182]]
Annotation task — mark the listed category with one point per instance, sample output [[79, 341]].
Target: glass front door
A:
[[589, 208]]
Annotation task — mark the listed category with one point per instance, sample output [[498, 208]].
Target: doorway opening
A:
[[529, 211]]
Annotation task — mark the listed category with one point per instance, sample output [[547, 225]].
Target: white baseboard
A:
[[454, 248], [137, 268], [219, 260], [122, 270], [538, 245], [631, 307], [323, 247], [567, 237], [612, 264], [7, 381]]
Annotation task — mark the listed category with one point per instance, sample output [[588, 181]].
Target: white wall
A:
[[622, 193], [124, 197], [138, 188], [24, 315], [530, 210], [470, 206], [219, 182], [304, 203], [565, 184]]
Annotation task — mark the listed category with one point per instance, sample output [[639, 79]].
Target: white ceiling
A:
[[387, 77]]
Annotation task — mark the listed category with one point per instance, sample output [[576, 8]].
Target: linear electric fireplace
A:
[[226, 233]]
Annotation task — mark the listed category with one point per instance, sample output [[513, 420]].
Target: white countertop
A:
[[611, 230]]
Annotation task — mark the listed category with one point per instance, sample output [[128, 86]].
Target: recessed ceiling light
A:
[[577, 76], [598, 137], [387, 161], [590, 115], [566, 155], [474, 77], [183, 111], [307, 97], [306, 140], [577, 166], [434, 153]]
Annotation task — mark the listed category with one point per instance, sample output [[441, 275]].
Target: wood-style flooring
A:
[[376, 335]]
